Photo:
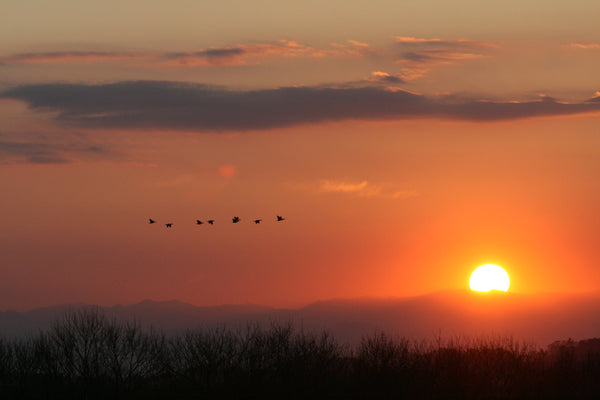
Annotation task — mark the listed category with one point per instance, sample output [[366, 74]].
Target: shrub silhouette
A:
[[86, 355]]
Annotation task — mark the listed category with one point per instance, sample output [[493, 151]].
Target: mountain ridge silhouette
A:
[[536, 318]]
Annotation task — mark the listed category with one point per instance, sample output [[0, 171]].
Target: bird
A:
[[211, 221], [280, 218], [169, 225], [151, 221], [198, 222], [235, 220], [257, 221]]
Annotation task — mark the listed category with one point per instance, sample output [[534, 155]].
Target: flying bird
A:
[[211, 221], [280, 218], [151, 221], [198, 222], [169, 225], [257, 221], [235, 220]]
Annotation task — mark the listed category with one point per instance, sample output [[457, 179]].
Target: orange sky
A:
[[403, 152]]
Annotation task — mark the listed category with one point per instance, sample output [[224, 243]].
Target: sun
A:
[[489, 277]]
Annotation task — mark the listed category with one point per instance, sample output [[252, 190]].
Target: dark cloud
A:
[[171, 105], [35, 153], [437, 56], [235, 51], [384, 77], [417, 57], [210, 53], [38, 149], [251, 53], [47, 160], [595, 99]]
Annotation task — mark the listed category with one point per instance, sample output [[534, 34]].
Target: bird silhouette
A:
[[235, 220]]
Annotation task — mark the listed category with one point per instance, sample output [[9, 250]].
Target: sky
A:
[[405, 143]]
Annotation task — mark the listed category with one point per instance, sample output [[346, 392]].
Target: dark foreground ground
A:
[[85, 355]]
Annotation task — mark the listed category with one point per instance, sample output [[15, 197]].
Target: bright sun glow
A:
[[488, 277]]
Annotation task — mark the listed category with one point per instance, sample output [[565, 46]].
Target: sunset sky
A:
[[405, 142]]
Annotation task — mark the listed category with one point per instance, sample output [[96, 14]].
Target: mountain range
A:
[[537, 319]]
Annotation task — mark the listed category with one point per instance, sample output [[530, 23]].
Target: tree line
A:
[[87, 355]]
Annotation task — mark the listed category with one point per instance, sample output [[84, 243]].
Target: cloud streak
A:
[[72, 56], [240, 54], [187, 106], [384, 77], [244, 54], [363, 189], [586, 46], [420, 55], [35, 152], [436, 42], [53, 148]]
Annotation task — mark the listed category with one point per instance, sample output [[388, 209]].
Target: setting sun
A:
[[489, 277]]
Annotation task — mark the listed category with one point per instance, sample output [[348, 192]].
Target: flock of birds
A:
[[235, 220]]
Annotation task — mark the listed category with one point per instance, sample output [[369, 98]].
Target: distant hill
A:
[[169, 316], [540, 319]]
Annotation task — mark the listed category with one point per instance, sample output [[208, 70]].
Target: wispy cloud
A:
[[420, 55], [187, 106], [384, 77], [439, 56], [596, 98], [436, 42], [342, 186], [37, 149], [363, 189], [234, 55], [244, 54], [34, 153], [72, 57], [586, 45]]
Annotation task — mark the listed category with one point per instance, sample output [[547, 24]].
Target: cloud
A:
[[384, 77], [188, 106], [419, 55], [586, 45], [239, 54], [47, 160], [34, 153], [363, 189], [71, 56], [595, 99], [342, 187], [435, 42], [244, 54], [210, 56], [35, 148], [438, 56]]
